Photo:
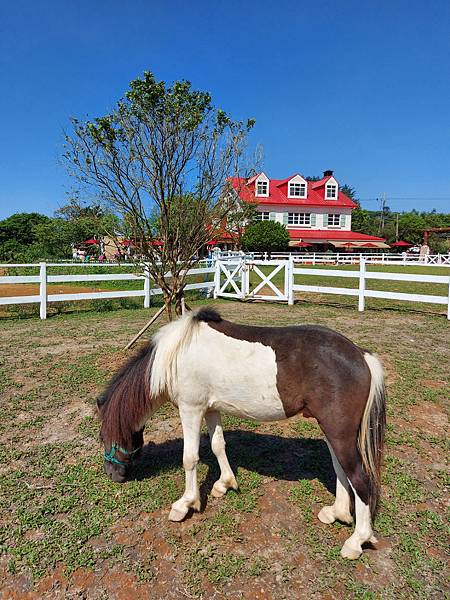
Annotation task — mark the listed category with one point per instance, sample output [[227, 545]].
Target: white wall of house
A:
[[277, 213]]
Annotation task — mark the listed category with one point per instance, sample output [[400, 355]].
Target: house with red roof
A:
[[314, 212]]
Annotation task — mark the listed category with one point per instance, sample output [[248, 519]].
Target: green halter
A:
[[110, 456]]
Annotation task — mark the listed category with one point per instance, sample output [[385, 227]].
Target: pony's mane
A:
[[126, 403], [169, 342]]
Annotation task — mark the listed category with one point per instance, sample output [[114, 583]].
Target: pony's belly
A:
[[257, 407]]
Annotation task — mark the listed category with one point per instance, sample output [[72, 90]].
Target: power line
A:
[[438, 198]]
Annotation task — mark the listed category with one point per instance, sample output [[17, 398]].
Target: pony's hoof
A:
[[350, 552], [373, 540], [177, 515], [326, 515], [219, 489]]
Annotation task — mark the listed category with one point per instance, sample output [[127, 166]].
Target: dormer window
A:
[[262, 188], [331, 189], [262, 185], [297, 190], [331, 192], [297, 187]]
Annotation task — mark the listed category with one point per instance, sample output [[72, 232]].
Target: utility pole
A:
[[382, 207], [396, 227]]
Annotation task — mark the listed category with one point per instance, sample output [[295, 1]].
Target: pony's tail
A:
[[169, 342], [371, 429]]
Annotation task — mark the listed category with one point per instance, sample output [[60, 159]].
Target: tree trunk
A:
[[168, 306], [178, 305]]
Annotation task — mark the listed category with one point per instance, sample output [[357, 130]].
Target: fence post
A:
[[314, 258], [448, 306], [146, 286], [362, 284], [216, 278], [290, 280], [43, 290], [245, 279]]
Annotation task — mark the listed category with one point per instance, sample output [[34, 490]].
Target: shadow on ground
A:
[[288, 459]]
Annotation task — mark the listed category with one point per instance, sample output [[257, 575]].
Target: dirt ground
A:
[[66, 531], [32, 289]]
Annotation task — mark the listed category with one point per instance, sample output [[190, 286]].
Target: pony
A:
[[206, 365]]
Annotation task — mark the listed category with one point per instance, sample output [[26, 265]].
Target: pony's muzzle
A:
[[118, 473]]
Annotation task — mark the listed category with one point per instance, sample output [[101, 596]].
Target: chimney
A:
[[328, 173]]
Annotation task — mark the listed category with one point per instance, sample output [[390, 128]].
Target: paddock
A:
[[68, 531]]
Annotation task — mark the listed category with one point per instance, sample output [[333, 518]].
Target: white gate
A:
[[267, 285], [229, 282], [271, 280]]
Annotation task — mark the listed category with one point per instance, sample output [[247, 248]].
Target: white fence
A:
[[343, 258], [147, 291], [273, 280], [232, 281]]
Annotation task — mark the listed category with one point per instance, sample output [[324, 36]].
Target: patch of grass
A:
[[89, 427], [59, 509], [245, 499], [306, 428], [231, 422]]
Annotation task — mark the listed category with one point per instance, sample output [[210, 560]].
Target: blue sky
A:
[[361, 87]]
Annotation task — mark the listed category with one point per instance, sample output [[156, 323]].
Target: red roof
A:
[[278, 193], [312, 235]]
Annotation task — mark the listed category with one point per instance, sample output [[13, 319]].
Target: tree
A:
[[17, 233], [266, 236], [161, 160], [241, 216]]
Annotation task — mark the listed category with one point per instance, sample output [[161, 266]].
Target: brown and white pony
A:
[[206, 365]]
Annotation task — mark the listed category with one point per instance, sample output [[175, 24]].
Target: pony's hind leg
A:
[[340, 510], [227, 480], [348, 456], [191, 420]]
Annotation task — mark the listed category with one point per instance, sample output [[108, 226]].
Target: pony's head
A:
[[124, 408]]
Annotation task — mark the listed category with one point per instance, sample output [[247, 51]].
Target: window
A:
[[262, 188], [299, 219], [334, 220], [297, 190], [331, 192], [263, 216]]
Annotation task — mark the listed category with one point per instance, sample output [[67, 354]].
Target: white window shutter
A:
[[325, 220], [272, 216], [313, 219], [342, 220], [285, 218]]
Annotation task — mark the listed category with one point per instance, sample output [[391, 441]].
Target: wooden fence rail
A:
[[231, 280], [147, 291]]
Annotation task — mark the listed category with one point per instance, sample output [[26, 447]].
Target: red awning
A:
[[401, 244], [301, 245], [91, 242]]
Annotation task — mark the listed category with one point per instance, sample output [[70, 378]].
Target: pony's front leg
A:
[[191, 421], [227, 480]]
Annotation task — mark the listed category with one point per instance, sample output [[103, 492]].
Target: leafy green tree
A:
[[17, 234], [266, 236], [364, 221], [161, 160], [241, 216]]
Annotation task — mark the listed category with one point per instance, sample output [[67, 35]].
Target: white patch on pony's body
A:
[[230, 375]]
